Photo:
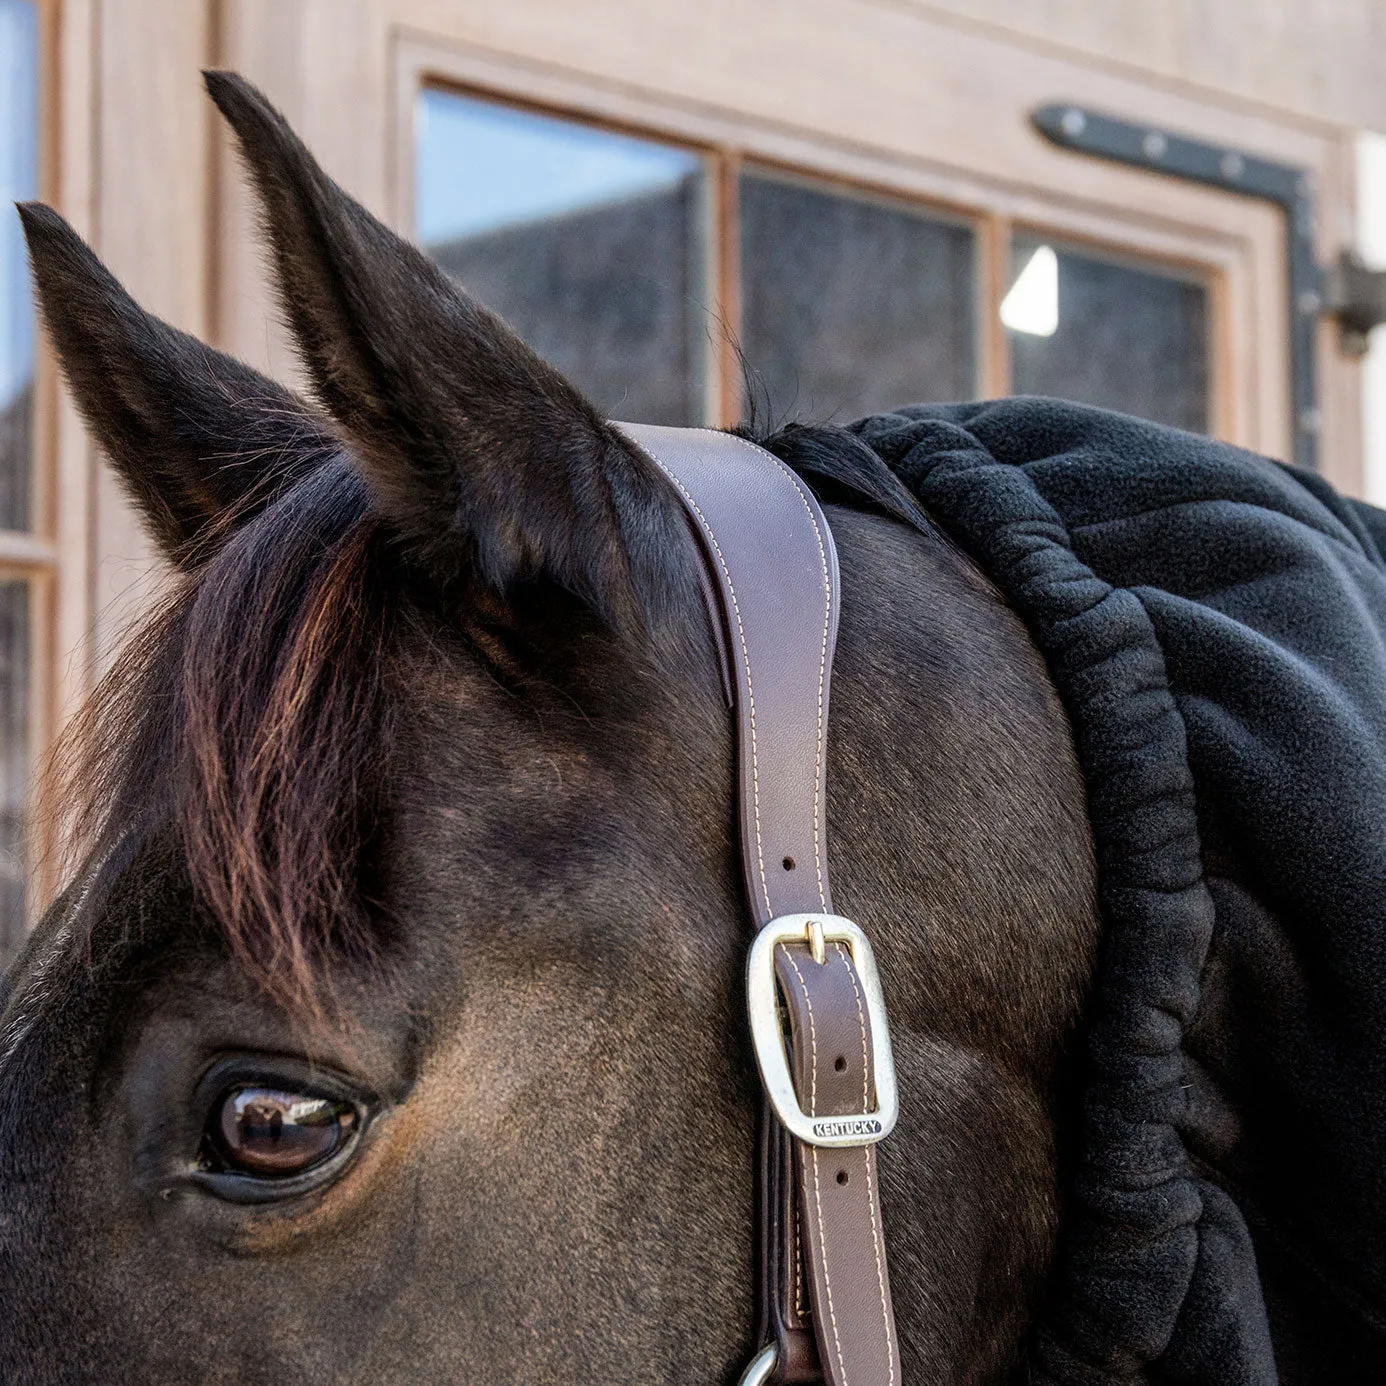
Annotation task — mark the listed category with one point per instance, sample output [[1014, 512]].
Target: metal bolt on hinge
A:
[[1356, 295]]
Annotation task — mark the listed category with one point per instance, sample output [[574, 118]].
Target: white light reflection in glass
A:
[[1032, 305]]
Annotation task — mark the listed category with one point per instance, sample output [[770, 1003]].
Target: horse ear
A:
[[197, 437], [482, 456]]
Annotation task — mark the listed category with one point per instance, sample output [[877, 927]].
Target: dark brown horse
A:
[[410, 927]]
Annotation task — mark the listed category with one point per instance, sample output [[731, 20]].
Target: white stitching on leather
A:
[[867, 1162], [746, 656], [799, 490], [827, 1279], [822, 680], [880, 1264], [800, 1303], [817, 1194], [818, 854]]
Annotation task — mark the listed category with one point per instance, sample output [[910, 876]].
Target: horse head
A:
[[392, 1026]]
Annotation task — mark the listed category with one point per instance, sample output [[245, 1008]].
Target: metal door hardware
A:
[[1348, 290]]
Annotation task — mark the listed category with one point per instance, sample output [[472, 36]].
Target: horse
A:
[[408, 928]]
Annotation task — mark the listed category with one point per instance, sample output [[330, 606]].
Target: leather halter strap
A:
[[825, 1309]]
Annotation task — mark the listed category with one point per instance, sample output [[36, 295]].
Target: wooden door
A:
[[863, 196]]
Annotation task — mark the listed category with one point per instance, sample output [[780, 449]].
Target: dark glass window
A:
[[596, 246], [591, 244], [852, 304], [1109, 332]]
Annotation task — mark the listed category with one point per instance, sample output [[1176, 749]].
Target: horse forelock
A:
[[250, 716]]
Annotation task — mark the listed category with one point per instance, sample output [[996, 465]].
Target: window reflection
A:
[[18, 182], [591, 244], [1031, 304], [852, 304], [1109, 332]]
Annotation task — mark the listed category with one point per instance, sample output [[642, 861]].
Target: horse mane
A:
[[251, 715]]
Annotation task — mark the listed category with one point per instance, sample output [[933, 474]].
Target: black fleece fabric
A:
[[1216, 626]]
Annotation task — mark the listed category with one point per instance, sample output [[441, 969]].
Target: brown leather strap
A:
[[774, 564], [843, 1237], [774, 567]]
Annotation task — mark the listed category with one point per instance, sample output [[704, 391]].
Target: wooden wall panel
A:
[[152, 217], [928, 97], [325, 64], [71, 184], [1321, 61], [885, 75]]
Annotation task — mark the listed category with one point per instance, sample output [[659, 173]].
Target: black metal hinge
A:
[[1349, 290]]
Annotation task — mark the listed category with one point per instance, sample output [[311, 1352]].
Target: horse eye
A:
[[272, 1133]]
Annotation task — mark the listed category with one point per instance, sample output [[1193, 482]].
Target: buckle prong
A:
[[813, 931]]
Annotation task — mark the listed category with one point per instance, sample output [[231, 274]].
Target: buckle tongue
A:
[[767, 1034]]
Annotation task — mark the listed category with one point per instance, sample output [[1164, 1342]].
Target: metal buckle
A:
[[761, 1367], [767, 1033]]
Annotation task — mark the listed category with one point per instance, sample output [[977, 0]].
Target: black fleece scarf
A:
[[1216, 626]]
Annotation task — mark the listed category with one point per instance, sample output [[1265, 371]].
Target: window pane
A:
[[589, 243], [18, 182], [851, 304], [1109, 333], [14, 759]]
